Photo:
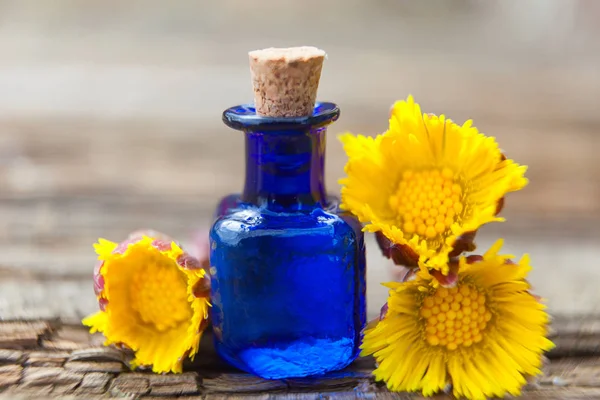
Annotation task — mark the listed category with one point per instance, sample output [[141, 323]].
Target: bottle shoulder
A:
[[244, 220]]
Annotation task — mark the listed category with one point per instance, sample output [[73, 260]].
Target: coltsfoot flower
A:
[[153, 299], [426, 185], [485, 336]]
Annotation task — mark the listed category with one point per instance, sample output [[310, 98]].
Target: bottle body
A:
[[287, 271], [288, 291]]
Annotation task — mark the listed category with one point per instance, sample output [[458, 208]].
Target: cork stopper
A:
[[286, 80]]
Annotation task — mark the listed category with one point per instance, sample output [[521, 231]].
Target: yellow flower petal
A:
[[104, 248], [426, 181], [151, 307], [483, 336]]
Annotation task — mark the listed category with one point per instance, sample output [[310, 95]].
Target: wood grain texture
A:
[[120, 131], [46, 272], [34, 367]]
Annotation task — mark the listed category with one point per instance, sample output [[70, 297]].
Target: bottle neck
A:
[[285, 156], [285, 170]]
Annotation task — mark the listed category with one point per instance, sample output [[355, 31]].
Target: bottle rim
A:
[[244, 118]]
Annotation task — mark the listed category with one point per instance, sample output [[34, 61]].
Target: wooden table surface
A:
[[110, 122], [48, 359]]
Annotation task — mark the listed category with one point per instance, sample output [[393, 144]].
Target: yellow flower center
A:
[[428, 202], [159, 295], [455, 317]]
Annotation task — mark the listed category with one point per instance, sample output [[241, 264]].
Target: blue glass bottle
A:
[[287, 266]]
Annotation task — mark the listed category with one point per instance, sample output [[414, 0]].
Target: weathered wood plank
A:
[[89, 370], [69, 295], [240, 383], [53, 159], [562, 393], [21, 335], [11, 356], [49, 299], [10, 375], [130, 385], [46, 359], [93, 383]]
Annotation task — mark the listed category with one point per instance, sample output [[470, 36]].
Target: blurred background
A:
[[110, 120]]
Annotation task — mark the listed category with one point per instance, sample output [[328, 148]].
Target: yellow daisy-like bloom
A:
[[484, 336], [426, 181], [153, 298]]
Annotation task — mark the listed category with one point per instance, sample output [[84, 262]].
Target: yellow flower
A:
[[153, 299], [483, 336], [426, 182]]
